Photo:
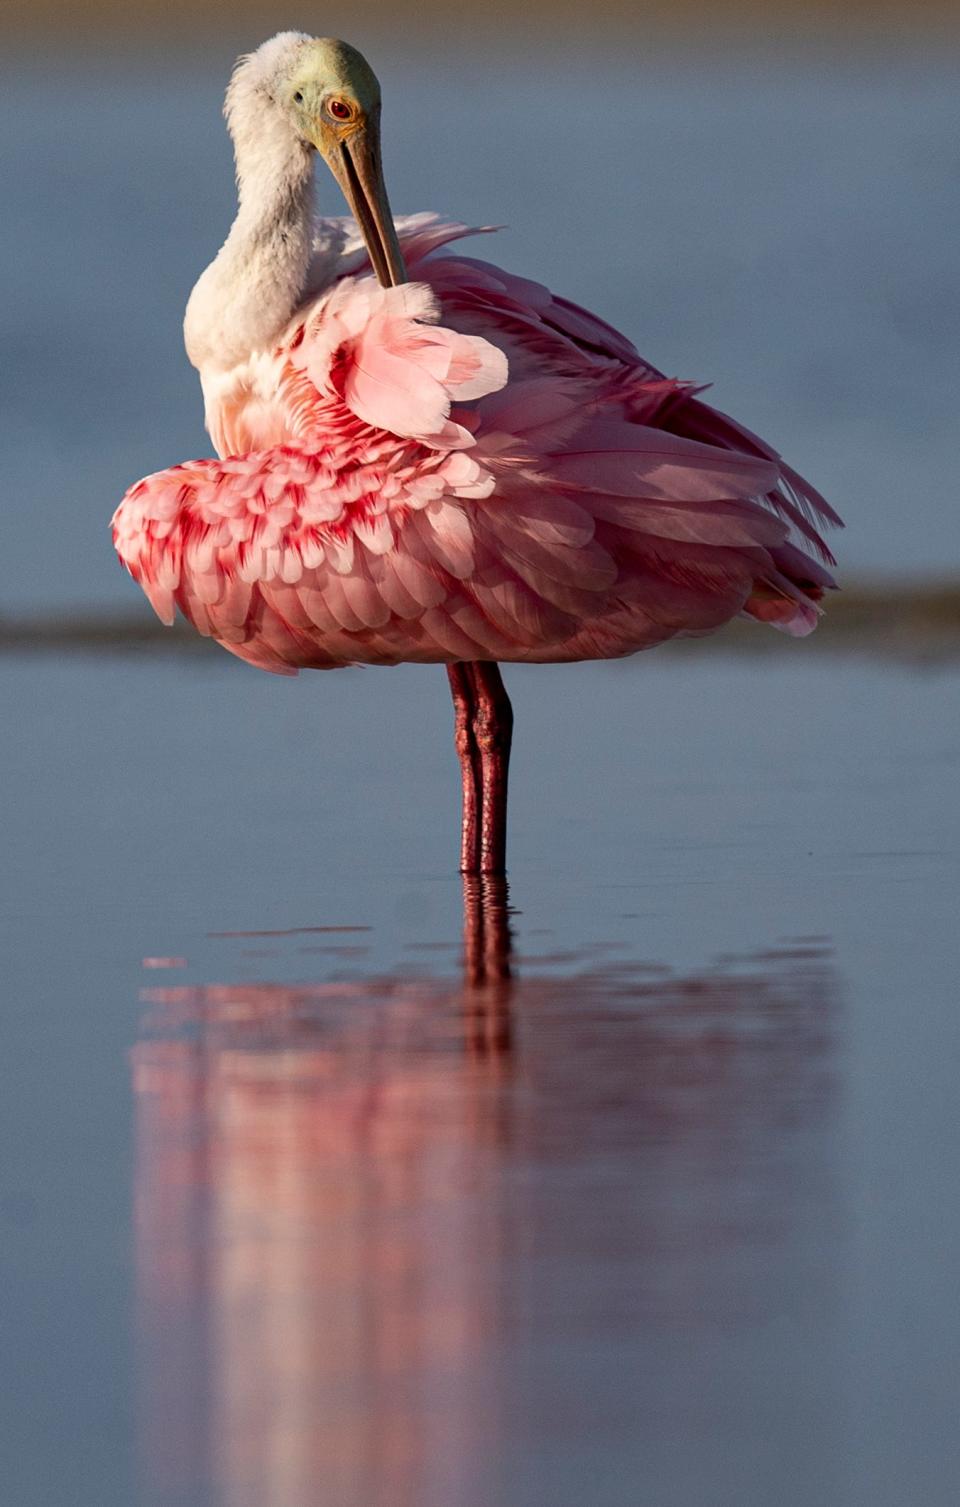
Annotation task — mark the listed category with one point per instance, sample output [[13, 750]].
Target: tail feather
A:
[[787, 596]]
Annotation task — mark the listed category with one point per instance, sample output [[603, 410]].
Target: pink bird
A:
[[457, 469]]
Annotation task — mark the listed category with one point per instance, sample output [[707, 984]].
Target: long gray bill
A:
[[364, 190]]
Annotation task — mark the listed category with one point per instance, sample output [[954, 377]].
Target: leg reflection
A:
[[486, 964]]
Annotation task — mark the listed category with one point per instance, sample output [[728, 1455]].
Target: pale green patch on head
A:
[[302, 75], [331, 82], [328, 64]]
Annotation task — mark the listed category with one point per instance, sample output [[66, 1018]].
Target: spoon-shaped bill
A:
[[357, 168]]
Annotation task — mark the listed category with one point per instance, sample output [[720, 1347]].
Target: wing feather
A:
[[422, 507]]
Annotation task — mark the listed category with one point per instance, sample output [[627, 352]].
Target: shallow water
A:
[[293, 1211], [781, 226]]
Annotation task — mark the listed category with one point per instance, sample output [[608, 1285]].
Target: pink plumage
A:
[[467, 468]]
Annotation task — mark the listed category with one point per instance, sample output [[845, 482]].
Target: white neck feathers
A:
[[248, 293]]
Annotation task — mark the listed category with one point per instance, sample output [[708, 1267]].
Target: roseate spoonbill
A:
[[457, 469]]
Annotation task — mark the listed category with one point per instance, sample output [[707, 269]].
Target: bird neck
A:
[[247, 295]]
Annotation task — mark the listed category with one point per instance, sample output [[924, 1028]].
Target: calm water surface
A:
[[299, 1206]]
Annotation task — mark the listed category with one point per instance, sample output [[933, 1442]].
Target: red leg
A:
[[461, 687], [493, 735]]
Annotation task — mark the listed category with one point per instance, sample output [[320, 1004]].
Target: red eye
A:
[[338, 109]]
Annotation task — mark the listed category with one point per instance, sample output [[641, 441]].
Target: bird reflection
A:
[[368, 1212]]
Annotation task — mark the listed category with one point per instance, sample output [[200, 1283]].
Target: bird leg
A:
[[461, 688], [493, 735], [484, 732]]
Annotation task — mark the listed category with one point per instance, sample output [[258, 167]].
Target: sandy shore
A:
[[881, 620]]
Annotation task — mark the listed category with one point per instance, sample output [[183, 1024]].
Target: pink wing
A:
[[589, 508], [561, 333]]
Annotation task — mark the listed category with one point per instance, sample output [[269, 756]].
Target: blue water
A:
[[784, 228], [293, 1215]]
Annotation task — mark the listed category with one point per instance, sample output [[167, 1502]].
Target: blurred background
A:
[[296, 1208]]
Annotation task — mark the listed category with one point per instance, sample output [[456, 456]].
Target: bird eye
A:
[[298, 98], [338, 109]]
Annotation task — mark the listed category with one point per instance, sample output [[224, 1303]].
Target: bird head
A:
[[331, 97]]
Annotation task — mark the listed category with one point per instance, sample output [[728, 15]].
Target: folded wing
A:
[[425, 508]]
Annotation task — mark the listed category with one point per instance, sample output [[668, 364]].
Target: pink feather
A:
[[467, 467]]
